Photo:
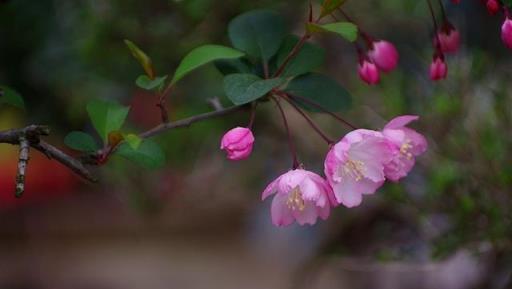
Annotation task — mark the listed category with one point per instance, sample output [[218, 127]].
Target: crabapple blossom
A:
[[506, 32], [493, 6], [438, 68], [449, 39], [355, 165], [406, 144], [237, 143], [384, 55], [300, 196], [368, 72]]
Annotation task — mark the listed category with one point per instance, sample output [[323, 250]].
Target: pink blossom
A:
[[355, 165], [406, 145], [493, 6], [506, 32], [237, 143], [438, 68], [300, 196], [449, 39], [384, 55], [368, 72]]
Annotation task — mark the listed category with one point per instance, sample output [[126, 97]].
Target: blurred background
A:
[[199, 222]]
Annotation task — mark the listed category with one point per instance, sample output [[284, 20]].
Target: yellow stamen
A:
[[295, 201]]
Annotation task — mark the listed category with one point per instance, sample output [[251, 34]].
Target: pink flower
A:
[[368, 72], [438, 68], [449, 39], [300, 196], [237, 143], [406, 145], [506, 32], [384, 55], [355, 165], [493, 6]]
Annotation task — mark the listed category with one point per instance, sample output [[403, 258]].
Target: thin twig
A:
[[293, 151], [188, 121], [319, 107], [22, 165], [295, 50], [328, 140]]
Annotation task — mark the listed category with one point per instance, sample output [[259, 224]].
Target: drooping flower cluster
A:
[[381, 56], [357, 165]]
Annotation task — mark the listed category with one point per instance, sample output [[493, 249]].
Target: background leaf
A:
[[11, 97], [141, 57], [329, 6], [309, 57], [80, 141], [148, 154], [143, 81], [230, 66], [244, 88], [106, 116], [202, 55], [346, 30], [259, 33], [322, 90]]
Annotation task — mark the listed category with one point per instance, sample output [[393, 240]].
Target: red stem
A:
[[290, 141]]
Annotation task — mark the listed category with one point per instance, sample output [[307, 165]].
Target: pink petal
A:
[[306, 216], [401, 121], [270, 189], [281, 214]]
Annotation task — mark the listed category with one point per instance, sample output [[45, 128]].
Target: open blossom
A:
[[384, 55], [355, 165], [237, 143], [300, 196], [368, 72], [449, 39], [406, 144], [506, 32], [438, 68]]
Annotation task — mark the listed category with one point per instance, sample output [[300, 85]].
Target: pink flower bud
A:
[[368, 72], [506, 32], [384, 55], [237, 143], [493, 6], [438, 68], [449, 39]]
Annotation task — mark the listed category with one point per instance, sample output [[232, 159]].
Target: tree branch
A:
[[32, 134]]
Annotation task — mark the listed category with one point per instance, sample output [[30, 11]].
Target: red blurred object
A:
[[45, 180]]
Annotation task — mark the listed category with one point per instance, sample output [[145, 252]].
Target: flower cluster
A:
[[381, 56], [357, 165]]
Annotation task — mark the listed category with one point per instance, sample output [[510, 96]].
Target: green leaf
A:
[[148, 154], [244, 88], [133, 140], [308, 58], [321, 90], [80, 141], [230, 66], [106, 116], [329, 6], [259, 33], [143, 81], [346, 30], [203, 55], [141, 57], [11, 97]]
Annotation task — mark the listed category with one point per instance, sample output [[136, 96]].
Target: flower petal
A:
[[401, 121], [281, 214]]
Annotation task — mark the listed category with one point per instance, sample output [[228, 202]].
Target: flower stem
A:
[[436, 28], [309, 120], [253, 115], [318, 106], [292, 54], [368, 39], [293, 151], [443, 12]]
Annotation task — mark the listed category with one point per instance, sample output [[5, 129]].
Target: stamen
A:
[[405, 149], [353, 169], [295, 200]]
